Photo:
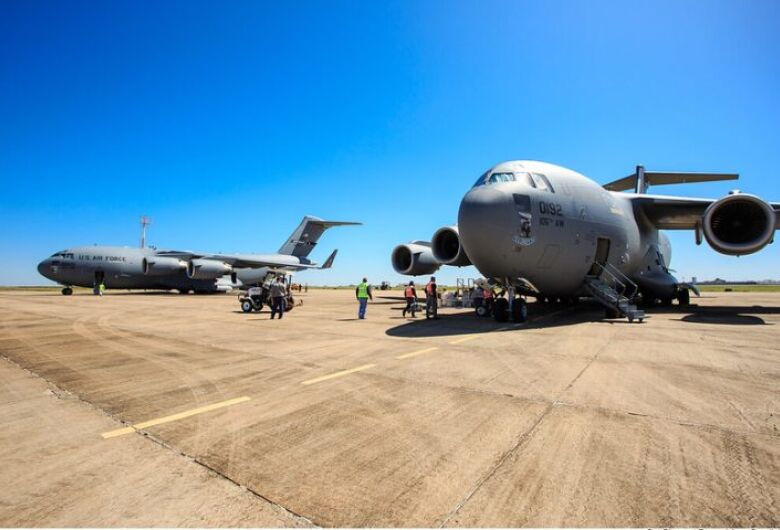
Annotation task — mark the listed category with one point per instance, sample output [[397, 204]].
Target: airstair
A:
[[615, 291]]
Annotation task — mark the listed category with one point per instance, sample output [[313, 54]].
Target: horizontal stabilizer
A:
[[329, 262], [641, 179]]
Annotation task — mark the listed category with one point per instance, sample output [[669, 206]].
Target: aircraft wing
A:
[[676, 213], [245, 261]]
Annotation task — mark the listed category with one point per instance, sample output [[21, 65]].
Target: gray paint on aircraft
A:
[[134, 268], [534, 223]]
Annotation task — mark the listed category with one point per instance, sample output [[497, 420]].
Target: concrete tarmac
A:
[[140, 409]]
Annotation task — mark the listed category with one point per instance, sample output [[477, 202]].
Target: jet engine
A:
[[739, 224], [414, 259], [158, 266], [207, 269], [447, 247]]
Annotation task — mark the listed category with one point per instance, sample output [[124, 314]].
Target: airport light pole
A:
[[145, 221]]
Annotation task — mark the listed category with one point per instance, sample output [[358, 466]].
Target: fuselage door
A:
[[601, 257]]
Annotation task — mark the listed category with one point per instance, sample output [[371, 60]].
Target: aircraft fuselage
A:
[[552, 234], [122, 268]]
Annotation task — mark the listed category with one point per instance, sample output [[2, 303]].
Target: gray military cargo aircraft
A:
[[538, 229], [185, 271]]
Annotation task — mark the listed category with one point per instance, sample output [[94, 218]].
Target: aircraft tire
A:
[[290, 304], [684, 297], [501, 309], [246, 306], [519, 310], [482, 310], [67, 291], [184, 291], [666, 302]]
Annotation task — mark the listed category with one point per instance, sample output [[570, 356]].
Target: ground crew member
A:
[[101, 288], [363, 294], [487, 297], [431, 300], [411, 298], [278, 295]]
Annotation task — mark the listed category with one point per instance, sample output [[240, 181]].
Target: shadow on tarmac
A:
[[549, 316], [731, 315], [539, 316]]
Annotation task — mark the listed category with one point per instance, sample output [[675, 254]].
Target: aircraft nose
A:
[[44, 268], [485, 221]]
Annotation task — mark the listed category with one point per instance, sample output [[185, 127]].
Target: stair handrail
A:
[[612, 276], [634, 286]]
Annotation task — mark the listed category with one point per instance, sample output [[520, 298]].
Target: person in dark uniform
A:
[[431, 299], [278, 295]]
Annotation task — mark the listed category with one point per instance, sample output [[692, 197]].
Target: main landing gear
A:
[[684, 297], [513, 307], [67, 291]]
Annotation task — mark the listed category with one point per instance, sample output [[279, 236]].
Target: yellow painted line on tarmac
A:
[[416, 353], [463, 339], [338, 374], [174, 417]]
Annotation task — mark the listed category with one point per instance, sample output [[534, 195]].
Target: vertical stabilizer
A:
[[305, 237]]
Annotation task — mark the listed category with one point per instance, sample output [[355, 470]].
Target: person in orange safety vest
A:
[[411, 299]]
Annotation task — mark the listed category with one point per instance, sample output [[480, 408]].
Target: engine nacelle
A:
[[447, 247], [414, 259], [207, 269], [159, 266], [739, 224]]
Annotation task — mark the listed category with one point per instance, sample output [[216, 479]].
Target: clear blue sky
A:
[[228, 121]]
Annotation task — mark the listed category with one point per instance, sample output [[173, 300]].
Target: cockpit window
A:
[[481, 180], [501, 177], [519, 176], [543, 183], [63, 254], [525, 178]]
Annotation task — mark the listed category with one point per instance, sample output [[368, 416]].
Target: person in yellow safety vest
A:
[[363, 294], [411, 299], [101, 288], [431, 299]]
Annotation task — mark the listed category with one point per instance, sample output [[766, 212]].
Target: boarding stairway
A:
[[615, 291]]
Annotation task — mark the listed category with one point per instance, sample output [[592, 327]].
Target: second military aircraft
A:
[[185, 271]]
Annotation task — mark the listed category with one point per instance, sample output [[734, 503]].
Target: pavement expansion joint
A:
[[57, 392], [525, 435]]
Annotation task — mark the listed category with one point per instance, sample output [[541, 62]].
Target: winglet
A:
[[329, 262]]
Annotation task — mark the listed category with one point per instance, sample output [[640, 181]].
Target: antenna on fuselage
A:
[[145, 221]]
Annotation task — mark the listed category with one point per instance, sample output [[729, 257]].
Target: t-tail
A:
[[305, 237]]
